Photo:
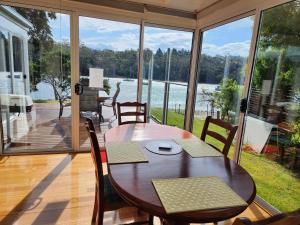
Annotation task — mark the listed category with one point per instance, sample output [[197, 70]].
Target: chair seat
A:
[[111, 197], [108, 103]]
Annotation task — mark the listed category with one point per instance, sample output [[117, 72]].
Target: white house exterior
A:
[[14, 69], [14, 63]]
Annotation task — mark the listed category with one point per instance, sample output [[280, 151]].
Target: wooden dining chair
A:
[[140, 109], [106, 198], [292, 218], [225, 140]]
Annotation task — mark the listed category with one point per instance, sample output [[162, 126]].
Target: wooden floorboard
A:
[[59, 189]]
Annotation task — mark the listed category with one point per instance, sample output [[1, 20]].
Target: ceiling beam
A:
[[139, 7]]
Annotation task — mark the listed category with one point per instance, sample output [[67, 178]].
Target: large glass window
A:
[[40, 82], [166, 70], [108, 69], [221, 75], [5, 76], [271, 149]]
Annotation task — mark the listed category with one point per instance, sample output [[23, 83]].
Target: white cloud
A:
[[119, 43], [105, 26], [235, 48], [163, 40]]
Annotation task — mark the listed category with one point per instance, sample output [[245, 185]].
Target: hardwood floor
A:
[[59, 189]]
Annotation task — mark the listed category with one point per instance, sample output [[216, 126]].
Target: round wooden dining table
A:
[[133, 181]]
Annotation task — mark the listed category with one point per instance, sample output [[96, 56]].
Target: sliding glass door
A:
[[222, 66], [34, 80], [271, 141], [108, 61], [166, 70]]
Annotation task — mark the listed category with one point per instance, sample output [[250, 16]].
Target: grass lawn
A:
[[276, 184], [48, 101]]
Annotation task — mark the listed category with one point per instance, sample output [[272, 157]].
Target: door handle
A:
[[244, 105], [78, 89]]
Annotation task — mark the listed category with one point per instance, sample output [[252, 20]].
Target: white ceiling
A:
[[185, 5]]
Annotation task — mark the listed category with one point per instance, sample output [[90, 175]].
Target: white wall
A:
[[9, 25]]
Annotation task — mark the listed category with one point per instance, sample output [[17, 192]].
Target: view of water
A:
[[129, 92]]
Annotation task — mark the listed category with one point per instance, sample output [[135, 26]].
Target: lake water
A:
[[128, 92]]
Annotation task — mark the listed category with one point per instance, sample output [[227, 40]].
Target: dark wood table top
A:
[[133, 181]]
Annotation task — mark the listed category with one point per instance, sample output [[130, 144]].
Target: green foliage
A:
[[280, 26], [227, 98], [295, 125], [106, 86], [56, 70], [265, 68], [277, 35], [40, 39], [295, 138], [212, 68]]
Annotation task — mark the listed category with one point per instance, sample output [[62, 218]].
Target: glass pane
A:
[[5, 86], [271, 149], [166, 69], [39, 82], [4, 52], [108, 69], [176, 111], [221, 75], [17, 53]]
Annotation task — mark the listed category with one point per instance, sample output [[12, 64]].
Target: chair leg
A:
[[114, 109], [151, 218], [100, 217], [95, 210], [61, 109]]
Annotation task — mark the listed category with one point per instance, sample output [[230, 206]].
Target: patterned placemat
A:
[[124, 152], [197, 148], [195, 193]]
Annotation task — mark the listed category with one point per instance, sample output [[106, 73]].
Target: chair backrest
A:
[[225, 140], [95, 152], [140, 110], [114, 99], [88, 99], [292, 218]]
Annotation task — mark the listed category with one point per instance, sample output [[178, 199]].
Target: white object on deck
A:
[[102, 94], [257, 133], [16, 100], [96, 78]]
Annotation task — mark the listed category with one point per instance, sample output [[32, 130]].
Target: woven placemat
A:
[[195, 193], [124, 152], [197, 148]]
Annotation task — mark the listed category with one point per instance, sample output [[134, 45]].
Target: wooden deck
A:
[[59, 189], [42, 130]]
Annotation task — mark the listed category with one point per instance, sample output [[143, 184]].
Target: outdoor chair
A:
[[140, 110], [88, 101], [106, 198], [63, 98], [64, 101], [111, 102], [292, 218], [221, 138]]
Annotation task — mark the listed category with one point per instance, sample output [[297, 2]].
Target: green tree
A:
[[55, 69], [40, 40], [226, 99]]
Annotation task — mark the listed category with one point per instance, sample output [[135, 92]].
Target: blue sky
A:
[[233, 38]]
